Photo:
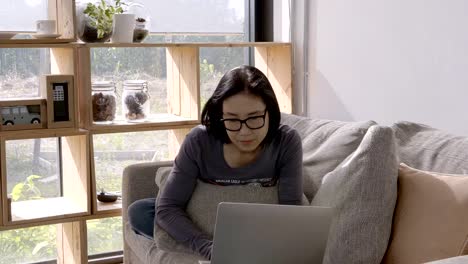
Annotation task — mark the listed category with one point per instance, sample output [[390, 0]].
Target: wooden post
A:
[[75, 161], [4, 212], [176, 137], [72, 247], [62, 11], [83, 85], [275, 63], [8, 209], [183, 81], [93, 194]]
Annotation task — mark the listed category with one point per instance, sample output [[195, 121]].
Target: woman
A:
[[241, 141]]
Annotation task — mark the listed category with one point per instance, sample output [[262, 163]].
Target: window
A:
[[214, 62], [20, 70], [28, 245], [104, 235], [171, 21], [113, 152], [33, 169], [31, 10], [197, 16], [121, 64]]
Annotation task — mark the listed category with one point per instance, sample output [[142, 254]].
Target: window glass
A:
[[21, 15], [170, 21], [121, 64], [113, 152], [28, 245], [104, 235], [196, 16], [214, 62], [32, 169], [20, 71]]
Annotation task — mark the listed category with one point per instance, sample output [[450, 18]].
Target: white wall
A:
[[390, 60]]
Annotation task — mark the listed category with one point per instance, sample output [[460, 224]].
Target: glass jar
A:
[[135, 100], [104, 101], [142, 21]]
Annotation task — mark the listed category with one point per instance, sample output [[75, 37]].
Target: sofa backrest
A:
[[430, 149], [326, 143]]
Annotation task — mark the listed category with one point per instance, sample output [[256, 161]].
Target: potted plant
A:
[[141, 31], [97, 20]]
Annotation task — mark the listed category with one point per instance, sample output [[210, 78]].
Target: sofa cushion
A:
[[203, 204], [139, 244], [159, 256], [431, 217], [426, 148], [363, 189], [325, 144]]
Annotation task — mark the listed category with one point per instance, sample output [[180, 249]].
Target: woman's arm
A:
[[170, 211], [290, 169]]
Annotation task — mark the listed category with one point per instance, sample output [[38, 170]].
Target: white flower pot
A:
[[123, 26]]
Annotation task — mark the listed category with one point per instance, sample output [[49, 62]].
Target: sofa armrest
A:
[[138, 183]]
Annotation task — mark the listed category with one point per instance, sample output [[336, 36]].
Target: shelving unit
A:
[[75, 181], [79, 202]]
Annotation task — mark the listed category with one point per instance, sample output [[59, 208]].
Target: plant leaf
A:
[[40, 246], [17, 191]]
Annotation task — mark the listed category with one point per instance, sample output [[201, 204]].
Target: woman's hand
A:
[[205, 248]]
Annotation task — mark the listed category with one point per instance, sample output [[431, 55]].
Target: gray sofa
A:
[[352, 166]]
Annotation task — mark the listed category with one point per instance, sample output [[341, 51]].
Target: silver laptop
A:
[[270, 234]]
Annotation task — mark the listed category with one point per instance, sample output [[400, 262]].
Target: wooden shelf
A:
[[6, 43], [109, 208], [40, 210], [75, 181], [42, 133], [52, 221], [192, 44], [276, 63], [154, 122], [68, 43]]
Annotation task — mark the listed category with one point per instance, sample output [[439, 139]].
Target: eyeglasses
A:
[[253, 122]]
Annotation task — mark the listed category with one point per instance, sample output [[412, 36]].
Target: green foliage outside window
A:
[[26, 190], [28, 245]]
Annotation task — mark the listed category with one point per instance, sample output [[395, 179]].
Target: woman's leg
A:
[[141, 215]]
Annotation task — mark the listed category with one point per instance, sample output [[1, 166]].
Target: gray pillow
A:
[[426, 148], [203, 205], [363, 189], [325, 144]]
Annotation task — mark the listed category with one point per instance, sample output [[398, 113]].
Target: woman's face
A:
[[252, 110]]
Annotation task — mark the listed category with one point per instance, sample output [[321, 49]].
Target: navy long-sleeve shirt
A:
[[201, 157]]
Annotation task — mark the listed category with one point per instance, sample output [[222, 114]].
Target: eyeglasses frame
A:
[[244, 121]]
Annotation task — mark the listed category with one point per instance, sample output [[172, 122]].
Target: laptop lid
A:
[[270, 234]]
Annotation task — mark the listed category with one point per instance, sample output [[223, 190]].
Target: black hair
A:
[[240, 79]]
